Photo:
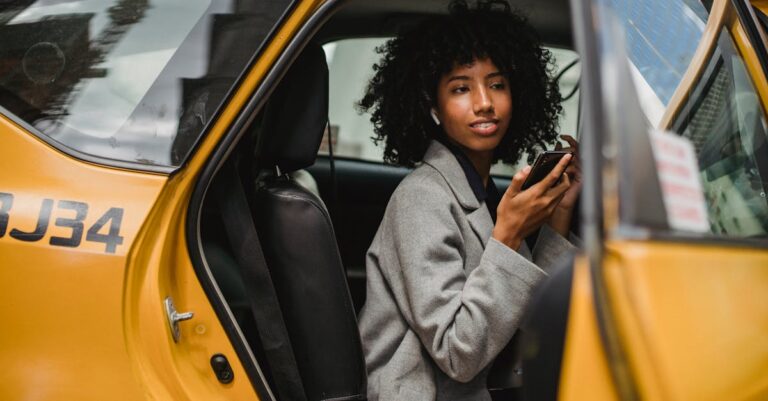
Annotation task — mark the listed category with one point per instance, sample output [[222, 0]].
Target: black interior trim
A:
[[258, 281], [543, 336], [703, 85]]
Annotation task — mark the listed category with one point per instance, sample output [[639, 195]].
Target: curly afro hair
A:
[[404, 86]]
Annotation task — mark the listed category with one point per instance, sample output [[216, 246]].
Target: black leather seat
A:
[[298, 240]]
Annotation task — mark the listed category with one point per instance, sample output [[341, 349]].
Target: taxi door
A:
[[669, 303], [108, 111]]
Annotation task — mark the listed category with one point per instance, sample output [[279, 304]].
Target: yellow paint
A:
[[693, 319], [722, 15], [751, 61], [62, 332], [717, 16], [761, 5], [81, 324], [585, 373]]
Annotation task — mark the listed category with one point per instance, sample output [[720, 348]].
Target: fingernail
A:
[[526, 169]]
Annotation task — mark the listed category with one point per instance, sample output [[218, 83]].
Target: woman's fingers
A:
[[571, 141], [572, 168], [574, 172], [517, 181], [555, 203], [559, 190]]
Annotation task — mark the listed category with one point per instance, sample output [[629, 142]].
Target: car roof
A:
[[380, 18]]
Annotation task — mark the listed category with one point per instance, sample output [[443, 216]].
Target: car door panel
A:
[[692, 317], [681, 313], [62, 299]]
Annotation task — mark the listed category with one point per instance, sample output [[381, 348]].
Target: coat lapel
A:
[[481, 223], [441, 158]]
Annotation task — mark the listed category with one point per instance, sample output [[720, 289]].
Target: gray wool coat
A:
[[443, 297]]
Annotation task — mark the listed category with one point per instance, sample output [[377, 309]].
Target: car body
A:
[[114, 127]]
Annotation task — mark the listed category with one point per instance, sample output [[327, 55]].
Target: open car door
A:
[[109, 110], [675, 209]]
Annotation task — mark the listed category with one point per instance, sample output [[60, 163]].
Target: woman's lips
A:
[[484, 128]]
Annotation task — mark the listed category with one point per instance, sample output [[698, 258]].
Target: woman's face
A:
[[474, 106]]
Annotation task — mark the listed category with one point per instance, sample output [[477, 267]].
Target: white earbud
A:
[[433, 113]]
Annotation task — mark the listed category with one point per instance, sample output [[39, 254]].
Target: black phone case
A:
[[543, 166]]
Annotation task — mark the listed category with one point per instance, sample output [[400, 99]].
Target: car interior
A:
[[289, 196]]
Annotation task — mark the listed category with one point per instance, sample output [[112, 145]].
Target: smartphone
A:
[[543, 166]]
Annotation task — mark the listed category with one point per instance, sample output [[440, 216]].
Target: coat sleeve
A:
[[552, 250], [462, 320]]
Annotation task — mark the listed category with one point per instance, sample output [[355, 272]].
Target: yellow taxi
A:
[[187, 194]]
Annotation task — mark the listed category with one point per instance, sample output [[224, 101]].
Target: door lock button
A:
[[221, 368]]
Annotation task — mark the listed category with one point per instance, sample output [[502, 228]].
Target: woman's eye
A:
[[460, 89], [497, 85]]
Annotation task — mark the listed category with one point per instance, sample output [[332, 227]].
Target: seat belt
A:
[[260, 289]]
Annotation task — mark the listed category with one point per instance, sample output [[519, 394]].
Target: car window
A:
[[126, 80], [661, 38], [350, 64], [726, 123], [719, 114]]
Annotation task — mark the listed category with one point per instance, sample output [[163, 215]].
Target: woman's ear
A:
[[433, 113]]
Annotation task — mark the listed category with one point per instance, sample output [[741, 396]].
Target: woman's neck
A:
[[482, 163], [481, 160]]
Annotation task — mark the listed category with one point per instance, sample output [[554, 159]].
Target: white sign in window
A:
[[681, 186]]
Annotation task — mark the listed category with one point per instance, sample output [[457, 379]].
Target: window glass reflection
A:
[[725, 122], [661, 37], [129, 80]]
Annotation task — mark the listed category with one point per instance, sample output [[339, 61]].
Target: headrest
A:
[[296, 114]]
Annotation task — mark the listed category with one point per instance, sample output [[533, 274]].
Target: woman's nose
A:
[[482, 101]]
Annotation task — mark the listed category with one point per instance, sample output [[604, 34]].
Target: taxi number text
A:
[[112, 219]]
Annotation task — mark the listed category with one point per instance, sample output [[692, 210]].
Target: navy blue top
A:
[[489, 193]]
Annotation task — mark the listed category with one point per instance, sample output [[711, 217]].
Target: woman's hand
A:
[[522, 212], [561, 217], [573, 171]]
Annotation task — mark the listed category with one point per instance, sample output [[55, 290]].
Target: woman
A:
[[449, 273]]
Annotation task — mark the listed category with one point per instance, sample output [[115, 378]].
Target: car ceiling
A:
[[377, 18]]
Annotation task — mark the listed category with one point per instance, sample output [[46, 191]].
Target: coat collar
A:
[[444, 161]]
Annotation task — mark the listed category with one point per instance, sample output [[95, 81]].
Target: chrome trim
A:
[[174, 318]]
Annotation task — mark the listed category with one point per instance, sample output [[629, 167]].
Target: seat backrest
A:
[[298, 240]]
